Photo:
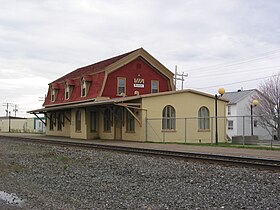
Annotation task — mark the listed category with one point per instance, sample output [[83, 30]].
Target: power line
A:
[[255, 70], [233, 83], [239, 61]]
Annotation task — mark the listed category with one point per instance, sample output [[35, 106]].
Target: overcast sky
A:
[[219, 43]]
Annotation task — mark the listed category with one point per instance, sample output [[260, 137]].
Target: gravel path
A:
[[53, 177]]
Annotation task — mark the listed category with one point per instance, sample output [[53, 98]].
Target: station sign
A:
[[139, 83]]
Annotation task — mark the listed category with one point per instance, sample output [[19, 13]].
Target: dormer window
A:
[[53, 95], [54, 90], [84, 88], [67, 91]]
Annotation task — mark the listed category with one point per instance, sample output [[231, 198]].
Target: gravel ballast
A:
[[54, 177]]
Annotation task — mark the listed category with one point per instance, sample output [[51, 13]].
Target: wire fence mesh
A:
[[232, 129]]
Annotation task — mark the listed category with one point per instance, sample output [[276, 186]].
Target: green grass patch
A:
[[62, 158]]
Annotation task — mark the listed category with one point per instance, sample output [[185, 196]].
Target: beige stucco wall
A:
[[16, 125], [29, 126], [186, 106]]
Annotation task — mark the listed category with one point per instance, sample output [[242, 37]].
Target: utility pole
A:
[[7, 110], [15, 109], [179, 77]]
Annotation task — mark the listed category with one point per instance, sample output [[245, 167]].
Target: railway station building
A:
[[129, 97]]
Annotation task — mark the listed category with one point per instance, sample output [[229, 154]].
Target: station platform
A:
[[242, 152]]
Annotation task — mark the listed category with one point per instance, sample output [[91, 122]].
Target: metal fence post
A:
[[211, 130], [185, 130], [146, 129], [243, 136]]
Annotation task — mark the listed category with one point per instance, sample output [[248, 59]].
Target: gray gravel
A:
[[53, 177]]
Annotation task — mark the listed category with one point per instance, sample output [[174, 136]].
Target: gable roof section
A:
[[235, 97], [133, 55]]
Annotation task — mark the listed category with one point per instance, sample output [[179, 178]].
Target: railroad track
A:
[[260, 163]]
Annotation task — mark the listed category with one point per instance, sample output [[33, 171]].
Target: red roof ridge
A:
[[92, 68]]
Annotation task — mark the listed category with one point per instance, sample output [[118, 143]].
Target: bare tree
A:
[[269, 106]]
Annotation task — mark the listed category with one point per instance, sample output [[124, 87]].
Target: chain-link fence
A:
[[232, 129]]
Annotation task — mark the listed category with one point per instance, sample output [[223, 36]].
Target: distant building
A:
[[128, 97], [237, 110], [22, 125]]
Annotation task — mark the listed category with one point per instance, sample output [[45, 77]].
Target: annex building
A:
[[129, 97]]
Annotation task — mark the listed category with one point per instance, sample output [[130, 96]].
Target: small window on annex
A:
[[121, 86], [168, 118], [52, 121], [229, 110], [203, 118], [255, 123], [230, 125], [107, 120], [130, 122], [154, 86], [78, 120], [84, 88], [93, 121]]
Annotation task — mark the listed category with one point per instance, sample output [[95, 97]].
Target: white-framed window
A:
[[255, 123], [84, 88], [67, 91], [229, 110], [154, 86], [230, 125], [168, 118], [121, 86], [203, 118]]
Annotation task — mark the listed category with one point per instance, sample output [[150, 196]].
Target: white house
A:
[[238, 111]]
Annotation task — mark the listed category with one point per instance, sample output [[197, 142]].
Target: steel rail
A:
[[214, 158]]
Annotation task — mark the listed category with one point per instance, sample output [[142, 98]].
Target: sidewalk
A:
[[266, 154]]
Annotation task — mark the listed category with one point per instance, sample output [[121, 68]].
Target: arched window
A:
[[168, 118], [203, 118], [78, 120]]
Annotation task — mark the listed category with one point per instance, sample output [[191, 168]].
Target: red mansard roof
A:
[[93, 73], [91, 69], [96, 75]]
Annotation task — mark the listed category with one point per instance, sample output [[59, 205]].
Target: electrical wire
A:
[[233, 83]]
